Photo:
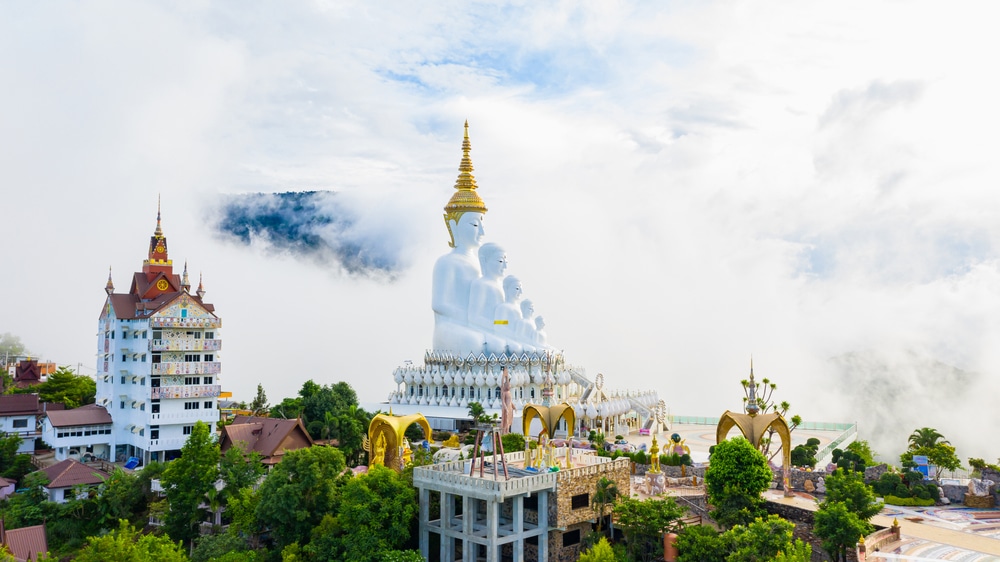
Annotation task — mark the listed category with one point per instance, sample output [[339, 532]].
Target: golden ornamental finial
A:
[[159, 230], [465, 199], [110, 287]]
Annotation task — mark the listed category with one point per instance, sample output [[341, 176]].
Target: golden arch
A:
[[549, 416], [385, 437], [754, 428]]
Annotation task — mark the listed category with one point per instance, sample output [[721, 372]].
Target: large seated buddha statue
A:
[[455, 271], [486, 294]]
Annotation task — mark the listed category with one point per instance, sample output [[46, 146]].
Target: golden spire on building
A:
[[201, 287], [110, 287], [465, 198], [185, 284], [159, 230]]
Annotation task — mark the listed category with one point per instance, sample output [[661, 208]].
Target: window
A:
[[581, 501], [190, 405], [156, 358], [135, 335], [142, 381], [209, 335], [142, 407], [143, 357], [157, 335], [121, 406], [154, 382], [145, 334], [142, 432], [155, 408], [124, 357], [208, 380], [184, 313], [21, 423], [209, 357], [531, 503], [192, 380], [208, 405], [571, 537], [187, 429], [123, 379], [154, 433], [192, 357], [68, 494]]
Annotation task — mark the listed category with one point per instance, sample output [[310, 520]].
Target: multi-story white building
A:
[[158, 364]]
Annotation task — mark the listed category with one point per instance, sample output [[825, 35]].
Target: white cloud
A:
[[677, 186]]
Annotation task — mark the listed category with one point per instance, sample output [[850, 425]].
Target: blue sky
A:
[[677, 184]]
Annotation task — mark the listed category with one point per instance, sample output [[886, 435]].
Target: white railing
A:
[[184, 344], [186, 391], [174, 322], [188, 368]]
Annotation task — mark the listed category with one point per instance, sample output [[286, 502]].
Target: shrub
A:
[[894, 500], [639, 457], [902, 491]]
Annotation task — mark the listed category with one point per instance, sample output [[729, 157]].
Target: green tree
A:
[[240, 469], [606, 493], [11, 348], [512, 442], [602, 552], [119, 498], [289, 409], [375, 513], [762, 539], [863, 449], [187, 480], [701, 543], [213, 547], [805, 455], [126, 544], [942, 455], [737, 474], [763, 391], [67, 387], [476, 411], [839, 529], [9, 444], [925, 437], [259, 405], [298, 492], [242, 512], [644, 522], [848, 487]]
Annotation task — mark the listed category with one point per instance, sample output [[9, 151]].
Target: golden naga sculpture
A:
[[385, 442], [755, 426]]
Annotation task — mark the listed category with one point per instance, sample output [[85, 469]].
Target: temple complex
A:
[[484, 327]]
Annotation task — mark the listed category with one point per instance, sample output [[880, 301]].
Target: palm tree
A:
[[926, 437], [606, 493], [476, 412]]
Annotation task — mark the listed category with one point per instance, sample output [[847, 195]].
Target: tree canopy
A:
[[188, 479], [644, 522], [737, 474], [67, 387], [126, 544]]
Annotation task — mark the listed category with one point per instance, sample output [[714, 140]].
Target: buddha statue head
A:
[[463, 215], [512, 289], [527, 308], [492, 261]]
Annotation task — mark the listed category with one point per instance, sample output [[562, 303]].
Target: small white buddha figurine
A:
[[455, 271], [486, 294], [525, 330], [540, 335], [507, 314]]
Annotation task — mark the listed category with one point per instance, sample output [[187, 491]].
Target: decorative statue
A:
[[506, 403], [507, 314], [524, 330], [486, 294], [455, 271], [540, 336], [379, 456], [654, 458]]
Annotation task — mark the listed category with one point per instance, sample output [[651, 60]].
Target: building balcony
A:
[[186, 391], [174, 322], [185, 344], [188, 368], [185, 417]]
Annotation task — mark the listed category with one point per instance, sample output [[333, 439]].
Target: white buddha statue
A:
[[455, 271], [540, 335], [525, 330], [507, 314], [486, 293]]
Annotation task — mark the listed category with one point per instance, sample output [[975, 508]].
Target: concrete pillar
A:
[[518, 513], [447, 543], [543, 525], [492, 524], [425, 505], [468, 518]]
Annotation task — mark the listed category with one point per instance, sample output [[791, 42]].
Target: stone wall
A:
[[798, 479], [790, 512], [671, 471], [559, 553], [583, 480]]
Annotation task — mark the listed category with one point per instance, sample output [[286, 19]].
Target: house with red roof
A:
[[19, 416], [70, 478], [270, 437], [26, 543], [82, 434]]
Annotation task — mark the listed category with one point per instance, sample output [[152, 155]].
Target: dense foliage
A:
[[736, 476]]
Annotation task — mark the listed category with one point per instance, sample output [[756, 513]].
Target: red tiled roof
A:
[[264, 435], [91, 414], [26, 543], [18, 404], [70, 473]]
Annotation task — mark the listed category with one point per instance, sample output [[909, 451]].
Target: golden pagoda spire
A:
[[465, 199], [159, 230], [110, 287]]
